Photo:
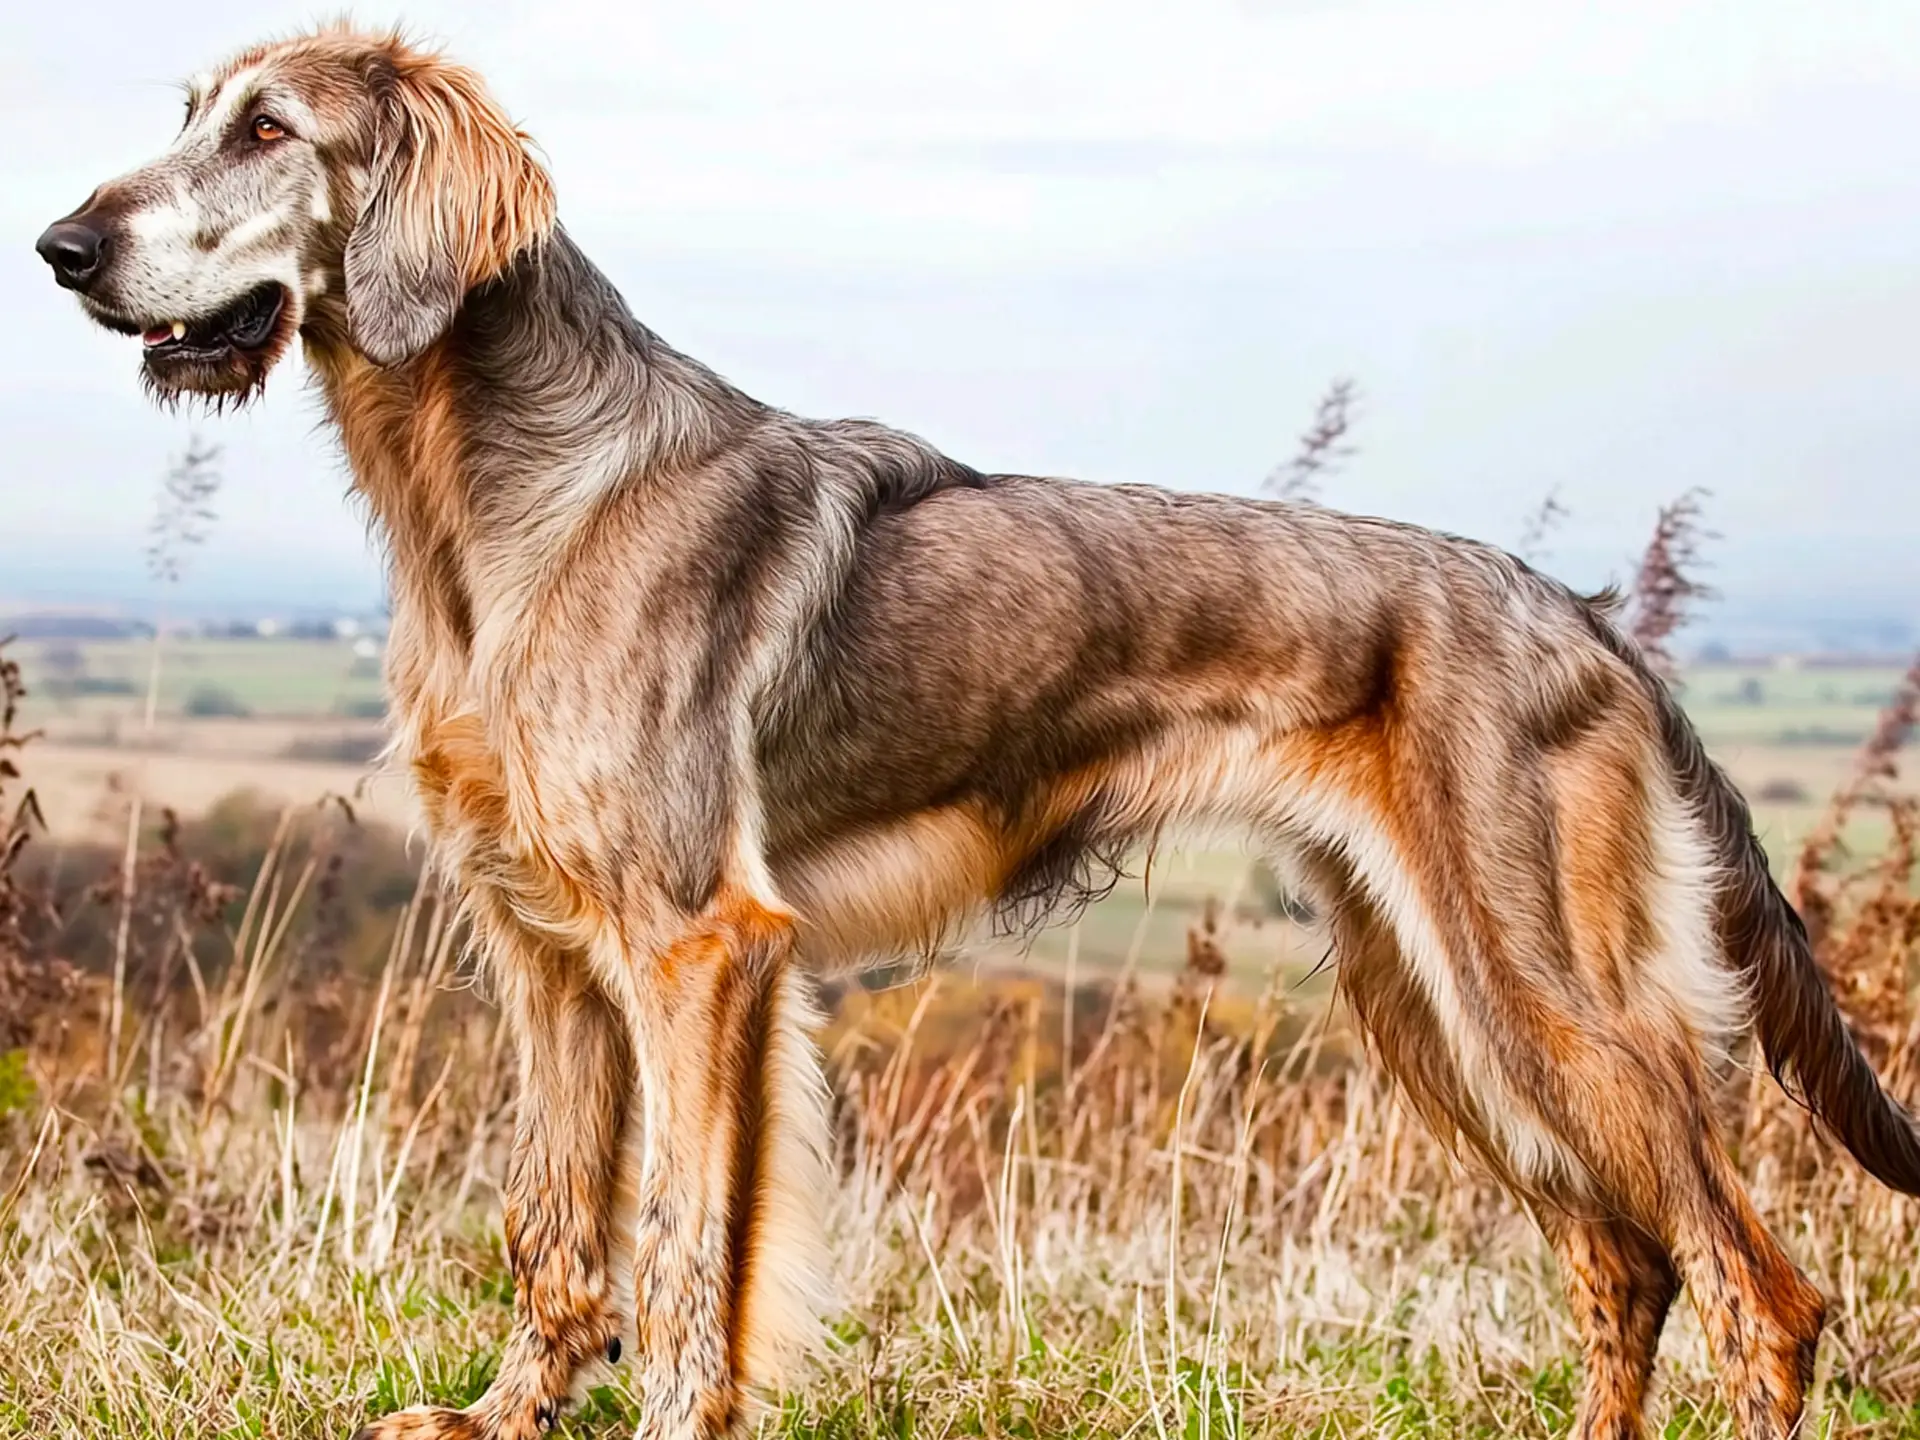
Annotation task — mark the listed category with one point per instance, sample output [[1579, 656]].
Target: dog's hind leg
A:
[[1620, 1068], [1556, 985], [1640, 1130], [1620, 1284], [1613, 1119], [560, 1194], [1624, 1094], [1762, 1316]]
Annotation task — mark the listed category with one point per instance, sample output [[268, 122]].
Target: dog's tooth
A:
[[179, 329]]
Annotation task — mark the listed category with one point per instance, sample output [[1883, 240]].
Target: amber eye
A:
[[265, 127]]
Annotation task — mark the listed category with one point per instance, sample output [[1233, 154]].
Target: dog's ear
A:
[[452, 197]]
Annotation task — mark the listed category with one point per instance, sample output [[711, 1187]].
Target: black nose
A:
[[74, 250]]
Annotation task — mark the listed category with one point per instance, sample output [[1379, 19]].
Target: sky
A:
[[1609, 251]]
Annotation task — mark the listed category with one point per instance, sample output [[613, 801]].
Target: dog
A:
[[701, 699]]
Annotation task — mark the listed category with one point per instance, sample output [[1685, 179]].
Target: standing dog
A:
[[698, 696]]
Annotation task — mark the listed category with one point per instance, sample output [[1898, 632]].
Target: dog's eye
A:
[[265, 127]]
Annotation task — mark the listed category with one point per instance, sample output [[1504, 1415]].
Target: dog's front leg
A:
[[575, 1083], [732, 1170]]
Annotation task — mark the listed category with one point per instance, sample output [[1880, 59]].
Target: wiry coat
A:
[[698, 695]]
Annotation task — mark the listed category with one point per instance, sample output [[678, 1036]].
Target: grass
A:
[[1172, 1242], [1160, 1213]]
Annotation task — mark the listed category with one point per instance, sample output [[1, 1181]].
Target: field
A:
[[1097, 1191], [291, 720]]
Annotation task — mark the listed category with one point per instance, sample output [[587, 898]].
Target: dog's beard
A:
[[223, 357]]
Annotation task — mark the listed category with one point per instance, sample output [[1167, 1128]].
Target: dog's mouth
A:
[[246, 324], [226, 353]]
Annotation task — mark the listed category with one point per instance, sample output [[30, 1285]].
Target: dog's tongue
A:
[[160, 334]]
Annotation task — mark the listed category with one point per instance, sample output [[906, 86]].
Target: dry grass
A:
[[1667, 585], [270, 1225]]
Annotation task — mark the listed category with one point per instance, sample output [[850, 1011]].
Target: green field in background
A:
[[268, 678]]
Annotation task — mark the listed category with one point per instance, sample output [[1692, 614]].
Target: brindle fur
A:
[[700, 697]]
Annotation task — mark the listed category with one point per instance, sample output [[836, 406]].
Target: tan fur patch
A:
[[895, 890], [1604, 850]]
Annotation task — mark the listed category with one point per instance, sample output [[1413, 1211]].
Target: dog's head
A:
[[343, 185]]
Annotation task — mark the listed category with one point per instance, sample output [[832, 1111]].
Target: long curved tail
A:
[[1808, 1046]]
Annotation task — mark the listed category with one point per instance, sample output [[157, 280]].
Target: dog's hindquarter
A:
[[1800, 1028]]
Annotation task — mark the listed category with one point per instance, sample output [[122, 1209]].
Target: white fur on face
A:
[[212, 222], [233, 92]]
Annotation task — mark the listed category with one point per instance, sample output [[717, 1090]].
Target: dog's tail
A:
[[1804, 1036]]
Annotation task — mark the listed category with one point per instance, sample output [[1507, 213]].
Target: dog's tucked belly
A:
[[915, 883]]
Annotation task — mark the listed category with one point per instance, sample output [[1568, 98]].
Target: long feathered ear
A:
[[452, 197]]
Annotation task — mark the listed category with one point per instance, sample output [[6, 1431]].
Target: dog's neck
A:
[[483, 456]]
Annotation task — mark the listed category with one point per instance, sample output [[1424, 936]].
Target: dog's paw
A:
[[481, 1422], [427, 1422]]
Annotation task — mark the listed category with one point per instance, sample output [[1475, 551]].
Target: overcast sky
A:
[[1616, 249]]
